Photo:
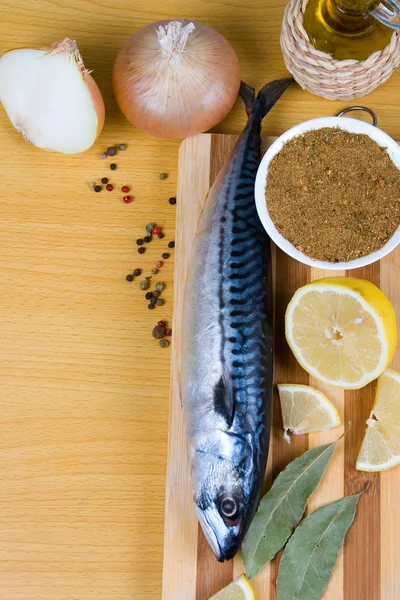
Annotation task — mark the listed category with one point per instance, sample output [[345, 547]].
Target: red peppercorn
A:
[[109, 187], [168, 332], [161, 323], [159, 264], [156, 230], [125, 189], [127, 199]]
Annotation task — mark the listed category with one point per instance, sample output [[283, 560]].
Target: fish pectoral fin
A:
[[224, 399]]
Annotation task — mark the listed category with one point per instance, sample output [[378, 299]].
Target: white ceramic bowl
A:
[[347, 124]]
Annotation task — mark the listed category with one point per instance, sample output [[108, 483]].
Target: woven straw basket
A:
[[325, 76]]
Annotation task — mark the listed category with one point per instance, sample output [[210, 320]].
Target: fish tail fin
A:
[[247, 95], [266, 97]]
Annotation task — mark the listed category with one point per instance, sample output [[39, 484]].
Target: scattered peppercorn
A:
[[154, 271], [160, 302], [150, 227], [92, 184], [156, 293], [161, 323], [113, 166], [109, 187], [144, 285], [127, 199], [151, 306], [168, 332], [147, 239], [164, 343], [97, 188], [103, 155], [148, 277], [163, 176], [122, 147], [139, 242], [159, 264], [141, 250], [156, 230], [104, 180], [148, 296], [125, 189], [160, 236], [111, 151], [137, 272], [165, 255], [171, 245], [172, 200], [129, 277], [160, 286], [158, 332]]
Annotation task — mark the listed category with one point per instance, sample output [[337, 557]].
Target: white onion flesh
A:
[[51, 98], [176, 78]]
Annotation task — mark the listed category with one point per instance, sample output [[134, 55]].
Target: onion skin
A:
[[68, 45], [98, 102], [156, 101]]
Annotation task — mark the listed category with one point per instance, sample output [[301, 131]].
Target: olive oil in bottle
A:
[[345, 28]]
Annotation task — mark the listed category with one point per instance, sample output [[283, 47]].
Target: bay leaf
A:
[[311, 553], [282, 508]]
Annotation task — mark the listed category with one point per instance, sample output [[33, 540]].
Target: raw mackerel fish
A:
[[226, 376]]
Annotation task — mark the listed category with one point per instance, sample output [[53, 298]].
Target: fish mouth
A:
[[232, 536]]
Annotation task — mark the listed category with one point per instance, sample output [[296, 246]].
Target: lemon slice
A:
[[305, 410], [240, 589], [380, 449], [342, 330]]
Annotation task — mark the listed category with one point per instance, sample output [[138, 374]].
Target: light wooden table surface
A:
[[83, 385]]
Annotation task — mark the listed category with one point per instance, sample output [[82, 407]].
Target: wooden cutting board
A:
[[369, 565]]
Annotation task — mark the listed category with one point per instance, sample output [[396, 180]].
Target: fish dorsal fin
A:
[[247, 95], [223, 399]]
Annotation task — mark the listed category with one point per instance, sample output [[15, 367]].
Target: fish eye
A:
[[228, 507]]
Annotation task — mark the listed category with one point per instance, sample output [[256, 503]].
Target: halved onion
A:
[[51, 98]]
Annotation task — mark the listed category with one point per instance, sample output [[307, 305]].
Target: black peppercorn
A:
[[163, 175], [129, 277], [165, 255], [139, 242], [111, 151], [148, 296], [141, 250], [147, 239], [155, 294], [160, 236], [113, 166], [171, 245], [104, 180], [172, 200], [151, 306], [153, 300], [97, 188], [158, 332], [137, 272]]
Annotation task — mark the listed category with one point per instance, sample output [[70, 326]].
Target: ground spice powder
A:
[[334, 195]]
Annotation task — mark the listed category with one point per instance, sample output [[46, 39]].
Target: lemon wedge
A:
[[380, 449], [305, 410], [342, 330], [240, 589]]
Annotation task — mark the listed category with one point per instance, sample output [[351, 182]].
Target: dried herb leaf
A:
[[283, 506], [310, 556]]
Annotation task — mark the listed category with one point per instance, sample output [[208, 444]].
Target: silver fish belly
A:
[[227, 371]]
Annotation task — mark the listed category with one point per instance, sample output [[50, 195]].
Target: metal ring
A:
[[364, 108]]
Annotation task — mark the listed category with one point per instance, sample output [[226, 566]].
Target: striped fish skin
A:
[[227, 370]]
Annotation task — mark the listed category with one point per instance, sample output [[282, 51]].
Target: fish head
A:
[[225, 490]]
